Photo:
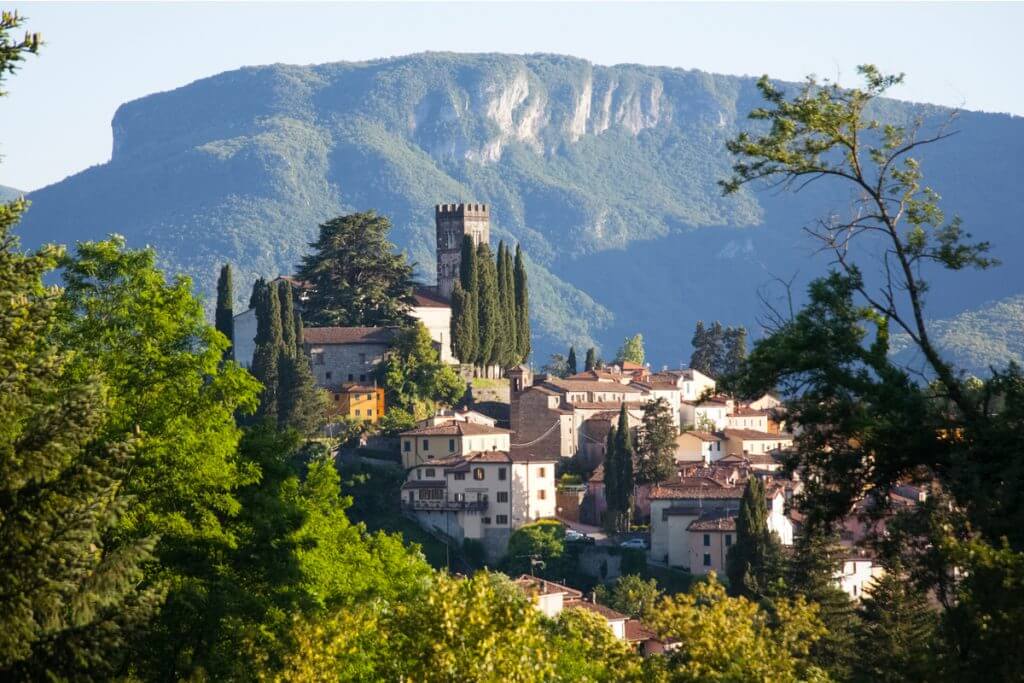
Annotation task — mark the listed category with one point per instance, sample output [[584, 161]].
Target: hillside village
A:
[[477, 472]]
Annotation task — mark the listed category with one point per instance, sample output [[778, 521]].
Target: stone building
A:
[[453, 221], [341, 355]]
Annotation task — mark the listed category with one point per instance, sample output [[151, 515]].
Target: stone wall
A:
[[346, 363]]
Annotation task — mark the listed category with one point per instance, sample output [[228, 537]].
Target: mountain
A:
[[9, 193], [606, 175]]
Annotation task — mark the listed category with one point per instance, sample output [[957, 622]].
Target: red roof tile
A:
[[349, 335]]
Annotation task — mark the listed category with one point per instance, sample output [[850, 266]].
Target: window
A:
[[426, 445], [357, 412], [540, 472], [460, 476], [369, 412], [502, 496], [501, 519], [707, 540], [350, 378], [728, 540], [707, 560], [362, 378], [327, 375], [451, 445], [318, 357], [501, 474], [460, 497], [542, 494], [430, 473], [407, 445], [486, 520], [478, 473]]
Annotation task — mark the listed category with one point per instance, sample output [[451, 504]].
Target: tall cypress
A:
[[611, 489], [591, 362], [753, 564], [502, 338], [469, 318], [489, 313], [224, 318], [268, 348], [284, 296], [299, 405], [258, 286], [624, 455], [570, 362], [508, 305], [522, 307], [462, 333]]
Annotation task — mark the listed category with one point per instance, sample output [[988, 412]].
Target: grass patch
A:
[[487, 383]]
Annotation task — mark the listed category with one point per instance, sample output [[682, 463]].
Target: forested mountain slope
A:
[[607, 175]]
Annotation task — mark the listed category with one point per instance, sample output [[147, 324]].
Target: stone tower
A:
[[454, 221]]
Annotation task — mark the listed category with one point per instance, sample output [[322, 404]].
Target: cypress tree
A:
[[258, 286], [299, 405], [570, 362], [224, 318], [512, 316], [489, 313], [469, 278], [522, 307], [299, 336], [591, 362], [753, 562], [462, 333], [268, 346], [284, 296], [611, 489], [504, 338], [624, 455]]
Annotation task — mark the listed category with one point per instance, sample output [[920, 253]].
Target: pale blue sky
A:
[[57, 120]]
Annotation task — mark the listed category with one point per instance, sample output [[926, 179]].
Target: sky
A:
[[56, 120]]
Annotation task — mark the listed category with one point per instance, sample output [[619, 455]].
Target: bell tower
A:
[[453, 222]]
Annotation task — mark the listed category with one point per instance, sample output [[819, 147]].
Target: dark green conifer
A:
[[591, 362], [611, 489], [489, 313], [508, 304], [753, 564], [224, 317], [570, 361], [257, 291], [284, 297], [269, 342], [462, 333], [623, 472], [299, 403], [522, 307]]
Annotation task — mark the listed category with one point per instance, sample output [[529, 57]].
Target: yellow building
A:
[[359, 402]]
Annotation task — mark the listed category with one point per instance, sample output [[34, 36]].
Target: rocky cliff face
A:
[[606, 175]]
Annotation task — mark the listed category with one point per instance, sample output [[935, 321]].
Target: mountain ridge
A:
[[594, 169]]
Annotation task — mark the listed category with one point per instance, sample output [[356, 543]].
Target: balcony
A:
[[445, 505]]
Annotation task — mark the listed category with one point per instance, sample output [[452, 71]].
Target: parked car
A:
[[573, 536], [634, 544]]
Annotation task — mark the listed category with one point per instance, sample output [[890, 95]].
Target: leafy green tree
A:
[[463, 330], [414, 378], [732, 639], [488, 308], [542, 542], [656, 443], [591, 361], [522, 297], [631, 351], [71, 596], [557, 366], [356, 275], [585, 649], [225, 316], [266, 358], [570, 361], [631, 595], [811, 574], [896, 633], [167, 389], [754, 562]]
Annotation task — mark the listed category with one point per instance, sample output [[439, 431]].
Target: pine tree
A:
[[896, 634], [734, 350], [811, 574], [258, 286], [463, 341], [224, 318], [70, 596], [522, 307], [508, 304], [657, 443], [717, 349], [703, 357], [591, 361], [284, 297], [489, 313], [570, 361], [753, 564], [269, 342]]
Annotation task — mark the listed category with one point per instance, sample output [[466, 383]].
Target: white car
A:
[[634, 544]]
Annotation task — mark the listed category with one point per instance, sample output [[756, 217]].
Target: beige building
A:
[[710, 538], [435, 312], [745, 417], [857, 574], [754, 442], [450, 439], [482, 496], [707, 415], [699, 447]]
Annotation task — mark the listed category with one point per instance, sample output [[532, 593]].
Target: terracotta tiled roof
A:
[[349, 335], [356, 389], [607, 612], [589, 385], [746, 411], [717, 523], [711, 489], [425, 298], [605, 405], [458, 428], [755, 435], [531, 585], [657, 385], [707, 402], [636, 632], [594, 375], [703, 436]]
